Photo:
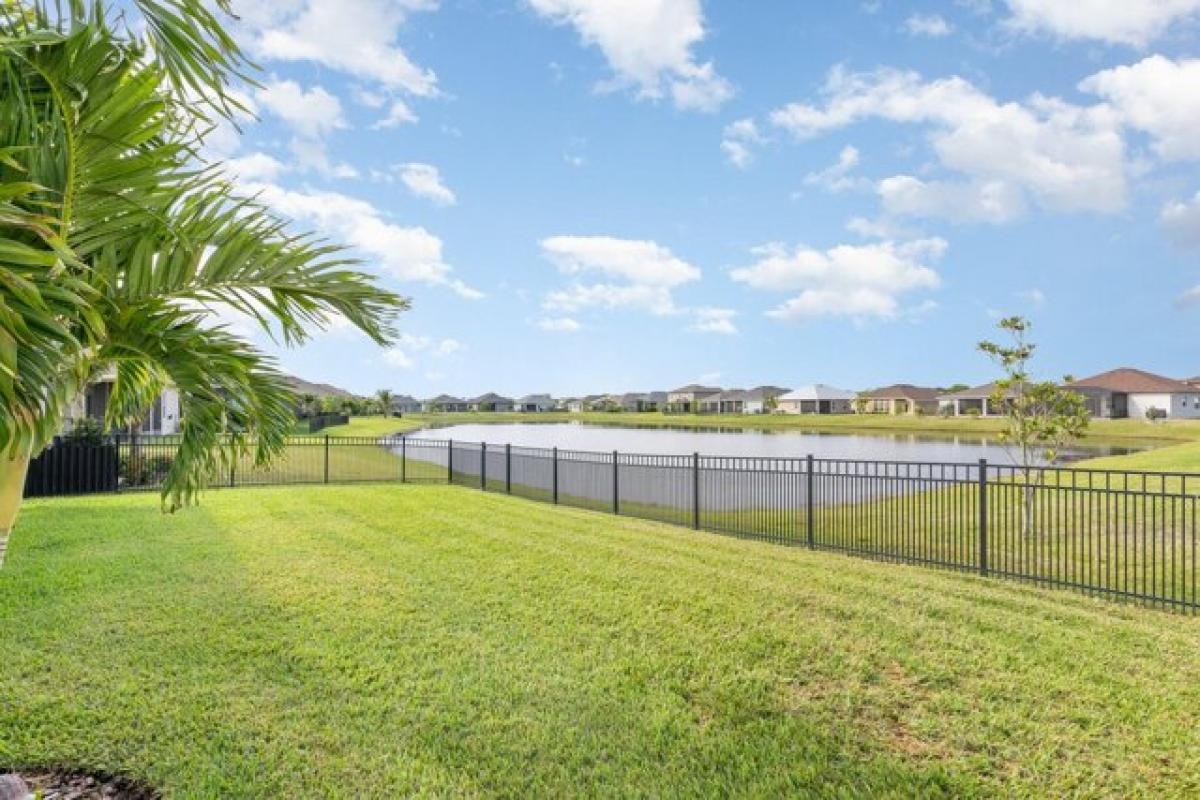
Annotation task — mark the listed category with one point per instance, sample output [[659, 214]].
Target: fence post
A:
[[483, 466], [554, 476], [232, 468], [117, 441], [696, 490], [327, 458], [508, 468], [983, 518], [616, 484], [449, 461], [403, 459], [808, 500]]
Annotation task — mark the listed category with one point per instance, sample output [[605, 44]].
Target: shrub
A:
[[85, 431], [145, 470], [1154, 413]]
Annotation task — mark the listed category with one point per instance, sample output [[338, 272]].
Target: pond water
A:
[[751, 442]]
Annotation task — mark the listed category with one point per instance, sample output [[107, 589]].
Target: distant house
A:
[[640, 402], [577, 405], [818, 398], [898, 399], [975, 401], [403, 404], [445, 403], [535, 403], [1128, 392], [605, 402], [491, 402], [162, 417], [654, 401], [763, 399], [758, 400], [686, 399], [726, 401]]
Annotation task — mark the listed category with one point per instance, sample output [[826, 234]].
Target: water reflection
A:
[[750, 442]]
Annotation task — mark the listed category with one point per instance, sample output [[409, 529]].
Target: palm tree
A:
[[308, 404], [117, 241], [384, 398]]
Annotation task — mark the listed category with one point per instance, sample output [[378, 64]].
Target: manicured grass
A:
[[1175, 458], [402, 640]]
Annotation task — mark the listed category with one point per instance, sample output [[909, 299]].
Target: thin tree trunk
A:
[[12, 489]]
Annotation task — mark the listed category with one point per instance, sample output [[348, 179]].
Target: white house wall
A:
[[170, 411], [1179, 406]]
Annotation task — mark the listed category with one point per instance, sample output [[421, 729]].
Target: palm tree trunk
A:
[[12, 488]]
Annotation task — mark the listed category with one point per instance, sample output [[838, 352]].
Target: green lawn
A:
[[402, 640]]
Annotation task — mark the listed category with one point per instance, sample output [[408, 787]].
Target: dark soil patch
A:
[[66, 785]]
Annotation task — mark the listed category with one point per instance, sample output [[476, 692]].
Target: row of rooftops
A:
[[1125, 380]]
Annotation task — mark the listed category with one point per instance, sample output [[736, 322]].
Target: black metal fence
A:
[[1121, 534], [320, 422]]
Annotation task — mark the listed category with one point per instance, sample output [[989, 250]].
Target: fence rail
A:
[[1121, 534]]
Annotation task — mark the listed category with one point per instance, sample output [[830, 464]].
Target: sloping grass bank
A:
[[401, 640]]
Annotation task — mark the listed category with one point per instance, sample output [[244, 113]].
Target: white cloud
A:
[[408, 253], [931, 25], [652, 299], [1061, 156], [857, 281], [313, 113], [404, 353], [559, 324], [398, 357], [357, 37], [995, 201], [424, 180], [884, 228], [1035, 297], [398, 114], [638, 261], [1130, 22], [739, 140], [312, 154], [257, 167], [634, 275], [1181, 220], [708, 319], [648, 45], [836, 177], [1159, 97]]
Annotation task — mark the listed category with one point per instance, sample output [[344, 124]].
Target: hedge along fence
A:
[[1121, 534]]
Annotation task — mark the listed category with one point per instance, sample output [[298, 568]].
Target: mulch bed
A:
[[62, 785]]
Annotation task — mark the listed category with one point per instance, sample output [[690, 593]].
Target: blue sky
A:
[[590, 195]]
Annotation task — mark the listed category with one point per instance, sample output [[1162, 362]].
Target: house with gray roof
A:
[[817, 398], [445, 403], [686, 399], [404, 404], [977, 401], [534, 403], [491, 402]]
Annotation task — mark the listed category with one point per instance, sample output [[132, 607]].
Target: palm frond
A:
[[113, 233]]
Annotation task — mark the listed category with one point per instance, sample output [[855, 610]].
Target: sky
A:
[[585, 196]]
